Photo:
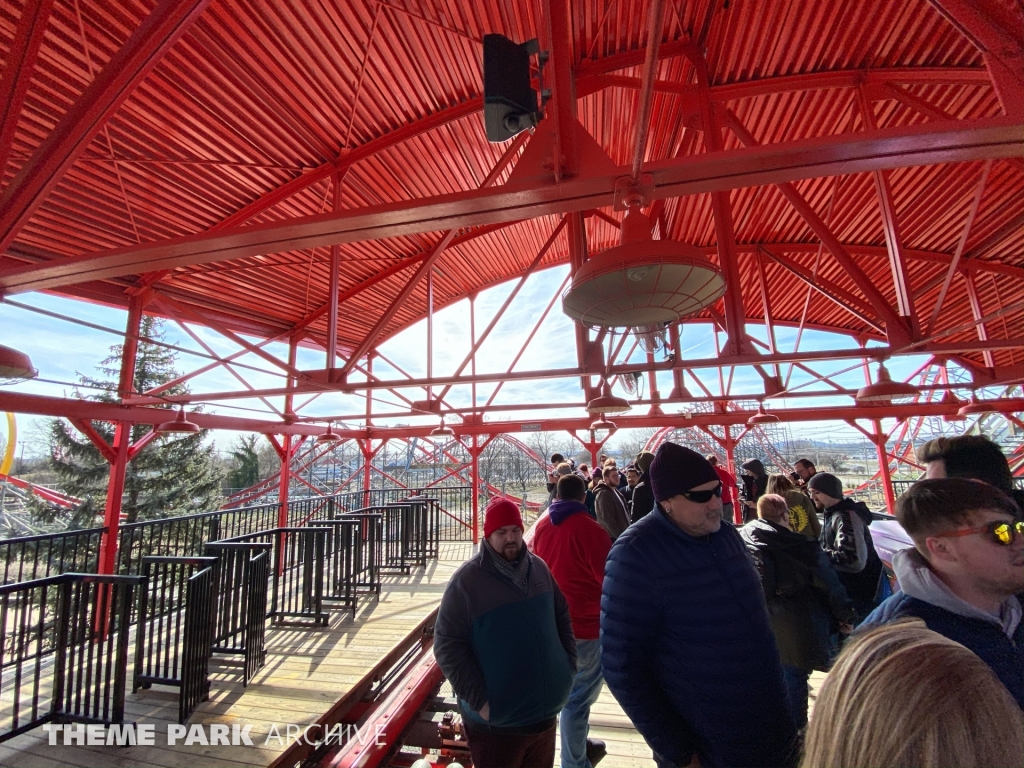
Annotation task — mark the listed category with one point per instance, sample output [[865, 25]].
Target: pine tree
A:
[[172, 475], [246, 471]]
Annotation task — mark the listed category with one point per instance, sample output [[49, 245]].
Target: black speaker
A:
[[510, 104]]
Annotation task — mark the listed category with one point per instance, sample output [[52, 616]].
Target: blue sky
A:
[[62, 350]]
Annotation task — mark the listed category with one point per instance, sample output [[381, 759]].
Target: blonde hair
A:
[[902, 695], [772, 507], [779, 484]]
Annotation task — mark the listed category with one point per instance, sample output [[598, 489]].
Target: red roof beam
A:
[[505, 305], [722, 361], [529, 338], [996, 29], [129, 66], [961, 244], [895, 326], [809, 158], [890, 227], [178, 309], [20, 64], [227, 366]]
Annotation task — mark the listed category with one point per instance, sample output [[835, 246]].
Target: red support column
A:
[[286, 481], [474, 474], [286, 452], [730, 463], [883, 467], [122, 440], [365, 446]]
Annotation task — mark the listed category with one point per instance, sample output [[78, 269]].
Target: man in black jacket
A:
[[846, 540], [643, 497], [803, 594]]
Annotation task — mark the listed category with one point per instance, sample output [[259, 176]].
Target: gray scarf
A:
[[518, 571]]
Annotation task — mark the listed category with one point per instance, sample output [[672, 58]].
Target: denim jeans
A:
[[575, 718], [797, 692]]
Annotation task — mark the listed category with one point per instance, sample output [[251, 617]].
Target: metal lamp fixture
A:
[[179, 425], [328, 437], [885, 390], [442, 431], [15, 366], [761, 417], [642, 283], [975, 407], [602, 428], [606, 402]]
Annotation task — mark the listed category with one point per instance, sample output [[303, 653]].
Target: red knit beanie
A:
[[499, 513]]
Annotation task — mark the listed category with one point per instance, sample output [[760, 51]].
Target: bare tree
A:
[[548, 443], [836, 462], [633, 441]]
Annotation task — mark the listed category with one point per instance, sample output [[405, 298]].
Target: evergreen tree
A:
[[172, 475], [246, 471]]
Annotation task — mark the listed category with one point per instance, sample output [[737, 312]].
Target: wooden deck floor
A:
[[307, 670]]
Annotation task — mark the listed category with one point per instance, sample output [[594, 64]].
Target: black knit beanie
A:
[[828, 484], [676, 469]]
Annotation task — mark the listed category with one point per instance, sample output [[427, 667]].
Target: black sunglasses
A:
[[703, 497]]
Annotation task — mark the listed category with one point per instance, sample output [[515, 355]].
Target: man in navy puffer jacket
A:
[[686, 646]]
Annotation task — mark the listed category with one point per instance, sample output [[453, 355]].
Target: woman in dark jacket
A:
[[804, 596], [755, 484]]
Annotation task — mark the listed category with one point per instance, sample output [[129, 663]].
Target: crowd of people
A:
[[706, 624]]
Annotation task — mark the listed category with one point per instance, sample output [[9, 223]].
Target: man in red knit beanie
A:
[[575, 547], [497, 603]]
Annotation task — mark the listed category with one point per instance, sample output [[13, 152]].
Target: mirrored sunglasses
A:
[[1001, 532]]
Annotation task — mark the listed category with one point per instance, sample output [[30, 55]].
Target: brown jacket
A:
[[611, 510]]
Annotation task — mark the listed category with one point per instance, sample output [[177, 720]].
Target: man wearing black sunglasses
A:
[[686, 646], [964, 573]]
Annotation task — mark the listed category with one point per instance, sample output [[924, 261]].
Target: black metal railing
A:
[[34, 557], [65, 651], [452, 506], [404, 535], [174, 633], [353, 558], [239, 628], [297, 580], [28, 558], [186, 536]]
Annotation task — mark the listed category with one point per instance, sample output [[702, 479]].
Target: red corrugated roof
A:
[[256, 95]]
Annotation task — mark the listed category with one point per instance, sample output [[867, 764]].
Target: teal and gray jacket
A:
[[500, 646]]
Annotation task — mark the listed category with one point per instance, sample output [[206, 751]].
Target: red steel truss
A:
[[315, 173]]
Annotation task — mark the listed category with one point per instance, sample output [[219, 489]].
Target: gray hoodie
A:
[[918, 580]]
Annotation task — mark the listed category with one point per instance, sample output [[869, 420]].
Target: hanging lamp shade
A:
[[642, 282], [602, 428], [606, 402], [330, 436], [885, 390], [975, 407], [762, 417], [15, 366], [442, 431], [179, 425]]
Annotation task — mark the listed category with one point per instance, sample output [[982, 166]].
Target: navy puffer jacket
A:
[[687, 650]]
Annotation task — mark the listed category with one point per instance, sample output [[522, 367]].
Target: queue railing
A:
[[175, 623], [64, 656], [243, 572], [29, 558]]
